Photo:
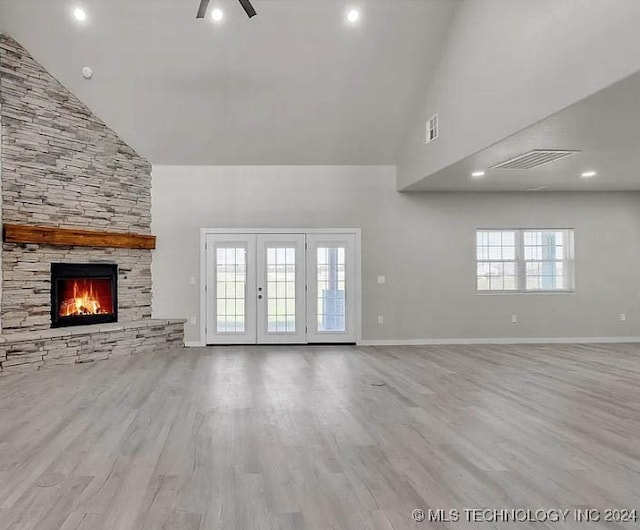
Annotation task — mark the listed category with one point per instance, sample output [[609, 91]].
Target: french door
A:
[[277, 288], [281, 284]]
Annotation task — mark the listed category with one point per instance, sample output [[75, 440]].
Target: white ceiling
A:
[[605, 127], [294, 85]]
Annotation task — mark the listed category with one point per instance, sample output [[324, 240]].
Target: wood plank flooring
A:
[[296, 438]]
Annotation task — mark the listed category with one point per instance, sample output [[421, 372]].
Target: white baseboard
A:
[[443, 342], [528, 340]]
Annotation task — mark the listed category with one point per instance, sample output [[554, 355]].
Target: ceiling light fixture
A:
[[80, 14], [589, 174], [353, 16], [217, 15], [478, 174]]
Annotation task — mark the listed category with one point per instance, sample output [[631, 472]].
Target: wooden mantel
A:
[[47, 235]]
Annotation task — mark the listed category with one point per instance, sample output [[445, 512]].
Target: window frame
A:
[[568, 262]]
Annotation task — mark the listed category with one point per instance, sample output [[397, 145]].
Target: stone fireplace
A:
[[63, 170]]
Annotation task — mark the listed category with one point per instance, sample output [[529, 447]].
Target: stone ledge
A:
[[72, 331], [36, 350]]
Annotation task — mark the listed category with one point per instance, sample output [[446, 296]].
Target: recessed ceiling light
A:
[[87, 72], [353, 16], [80, 14], [217, 15], [478, 174], [589, 174]]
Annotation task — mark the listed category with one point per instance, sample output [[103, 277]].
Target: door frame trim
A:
[[204, 232]]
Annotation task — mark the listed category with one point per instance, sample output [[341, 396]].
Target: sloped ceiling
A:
[[603, 128], [294, 85]]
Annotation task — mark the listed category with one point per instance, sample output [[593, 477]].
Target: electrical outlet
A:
[[192, 280], [380, 319], [623, 317], [381, 279], [514, 319], [193, 320]]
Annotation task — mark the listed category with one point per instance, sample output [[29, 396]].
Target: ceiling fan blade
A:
[[202, 10], [248, 8]]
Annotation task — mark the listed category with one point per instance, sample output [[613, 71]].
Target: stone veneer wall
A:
[[62, 166]]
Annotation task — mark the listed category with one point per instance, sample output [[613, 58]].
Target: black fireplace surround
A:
[[83, 293]]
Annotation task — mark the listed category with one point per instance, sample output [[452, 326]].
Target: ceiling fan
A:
[[246, 5]]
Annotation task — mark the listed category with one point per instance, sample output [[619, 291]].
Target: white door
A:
[[273, 288], [230, 289], [281, 288], [331, 287]]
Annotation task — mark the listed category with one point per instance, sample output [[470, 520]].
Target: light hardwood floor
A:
[[299, 438]]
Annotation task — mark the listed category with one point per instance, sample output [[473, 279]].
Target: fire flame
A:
[[83, 302]]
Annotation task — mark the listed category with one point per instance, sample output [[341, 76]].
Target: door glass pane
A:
[[231, 281], [281, 290], [331, 288]]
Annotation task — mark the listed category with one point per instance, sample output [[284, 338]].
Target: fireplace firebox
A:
[[83, 293]]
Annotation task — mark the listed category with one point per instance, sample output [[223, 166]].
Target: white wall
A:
[[422, 243], [510, 63]]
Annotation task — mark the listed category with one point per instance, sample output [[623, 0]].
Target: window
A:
[[331, 273], [281, 289], [231, 272], [524, 260]]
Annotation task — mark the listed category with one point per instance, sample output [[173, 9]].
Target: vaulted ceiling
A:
[[295, 85]]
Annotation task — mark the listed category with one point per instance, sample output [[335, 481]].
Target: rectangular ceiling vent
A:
[[534, 158], [432, 128]]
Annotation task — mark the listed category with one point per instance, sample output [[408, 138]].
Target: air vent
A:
[[534, 158], [432, 128]]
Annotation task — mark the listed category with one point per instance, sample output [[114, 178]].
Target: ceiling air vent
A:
[[534, 158], [432, 128]]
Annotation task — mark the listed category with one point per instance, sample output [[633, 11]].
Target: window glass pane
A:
[[331, 289], [281, 290], [533, 282], [496, 252], [544, 252], [508, 238], [231, 277]]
